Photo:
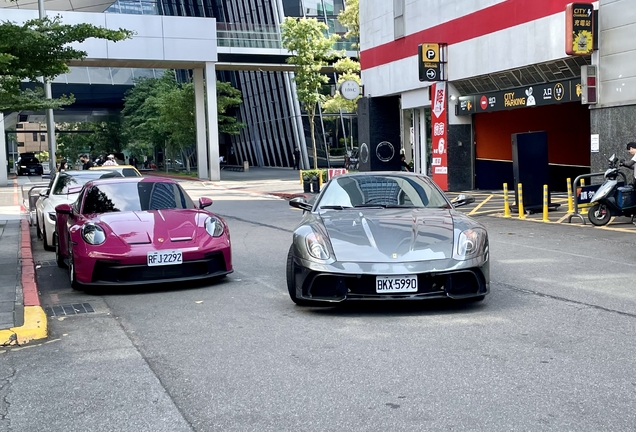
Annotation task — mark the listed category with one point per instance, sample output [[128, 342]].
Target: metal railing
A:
[[576, 196]]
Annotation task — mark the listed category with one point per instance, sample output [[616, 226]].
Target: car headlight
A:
[[317, 246], [214, 227], [470, 244], [23, 166], [93, 234], [52, 216]]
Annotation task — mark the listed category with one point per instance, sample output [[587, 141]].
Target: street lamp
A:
[[50, 123]]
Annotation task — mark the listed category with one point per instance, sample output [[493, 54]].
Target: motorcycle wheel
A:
[[599, 215]]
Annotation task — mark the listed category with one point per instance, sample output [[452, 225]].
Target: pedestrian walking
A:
[[296, 159], [86, 162]]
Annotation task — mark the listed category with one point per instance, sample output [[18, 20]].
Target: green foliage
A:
[[311, 50], [350, 18], [101, 138], [315, 173], [347, 69], [43, 156], [41, 48], [160, 112]]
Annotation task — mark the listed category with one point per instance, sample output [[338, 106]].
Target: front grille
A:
[[114, 272], [329, 286]]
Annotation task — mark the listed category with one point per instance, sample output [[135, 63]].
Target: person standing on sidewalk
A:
[[296, 159]]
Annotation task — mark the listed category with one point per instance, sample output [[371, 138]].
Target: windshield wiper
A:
[[371, 206], [335, 207]]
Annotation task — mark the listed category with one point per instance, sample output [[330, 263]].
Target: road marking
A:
[[474, 211]]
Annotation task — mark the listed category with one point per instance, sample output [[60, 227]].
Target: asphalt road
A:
[[552, 347]]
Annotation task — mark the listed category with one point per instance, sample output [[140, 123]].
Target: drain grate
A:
[[66, 310], [45, 264]]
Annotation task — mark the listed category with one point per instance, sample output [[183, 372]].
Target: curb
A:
[[173, 176], [35, 324]]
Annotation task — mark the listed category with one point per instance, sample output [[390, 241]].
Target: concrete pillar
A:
[[423, 153], [199, 112], [213, 122], [3, 153]]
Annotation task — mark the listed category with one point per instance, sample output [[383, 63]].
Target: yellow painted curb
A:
[[35, 327]]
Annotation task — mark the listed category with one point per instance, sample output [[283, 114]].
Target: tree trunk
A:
[[312, 114], [187, 161]]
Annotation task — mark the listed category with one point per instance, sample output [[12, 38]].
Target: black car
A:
[[28, 164]]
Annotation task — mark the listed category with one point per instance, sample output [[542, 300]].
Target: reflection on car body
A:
[[386, 236], [140, 231]]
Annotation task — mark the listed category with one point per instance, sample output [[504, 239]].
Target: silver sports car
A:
[[379, 236]]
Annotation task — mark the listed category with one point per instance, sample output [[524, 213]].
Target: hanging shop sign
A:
[[439, 117], [432, 62], [537, 95], [579, 28]]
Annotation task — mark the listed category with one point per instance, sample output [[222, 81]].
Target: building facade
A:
[[507, 73], [275, 124]]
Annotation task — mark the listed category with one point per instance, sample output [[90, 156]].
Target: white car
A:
[[62, 189]]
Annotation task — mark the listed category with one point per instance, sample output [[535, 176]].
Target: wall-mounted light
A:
[[453, 97]]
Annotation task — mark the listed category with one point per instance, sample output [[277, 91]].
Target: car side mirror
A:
[[462, 200], [300, 203], [65, 209], [204, 202]]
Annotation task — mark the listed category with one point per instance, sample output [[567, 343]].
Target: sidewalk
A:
[[21, 317]]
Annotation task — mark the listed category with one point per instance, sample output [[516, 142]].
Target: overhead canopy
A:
[[60, 5]]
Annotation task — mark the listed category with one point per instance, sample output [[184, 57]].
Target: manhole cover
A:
[[66, 310]]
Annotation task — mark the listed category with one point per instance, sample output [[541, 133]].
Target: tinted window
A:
[[129, 172], [66, 182], [136, 196], [384, 190]]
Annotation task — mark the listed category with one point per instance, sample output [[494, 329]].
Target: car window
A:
[[66, 181], [129, 172], [382, 190], [135, 196]]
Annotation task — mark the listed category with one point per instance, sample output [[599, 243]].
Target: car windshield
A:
[[29, 160], [381, 190], [135, 196], [67, 181]]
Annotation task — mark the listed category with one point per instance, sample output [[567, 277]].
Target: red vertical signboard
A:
[[439, 128]]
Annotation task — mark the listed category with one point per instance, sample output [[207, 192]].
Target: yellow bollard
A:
[[300, 174], [545, 203], [522, 213], [506, 205], [582, 182], [570, 197], [320, 180]]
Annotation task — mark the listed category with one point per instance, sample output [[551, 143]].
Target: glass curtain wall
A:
[[269, 107]]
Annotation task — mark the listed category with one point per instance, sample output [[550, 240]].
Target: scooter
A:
[[613, 198]]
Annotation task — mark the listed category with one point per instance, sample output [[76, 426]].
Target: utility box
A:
[[530, 168]]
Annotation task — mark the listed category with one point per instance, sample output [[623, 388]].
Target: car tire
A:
[[59, 259], [47, 246], [291, 286], [72, 277], [38, 231]]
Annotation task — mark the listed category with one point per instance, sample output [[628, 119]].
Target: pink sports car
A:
[[134, 231]]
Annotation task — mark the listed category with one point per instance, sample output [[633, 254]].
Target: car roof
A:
[[100, 167], [130, 180]]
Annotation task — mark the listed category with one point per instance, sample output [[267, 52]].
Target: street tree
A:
[[41, 48], [350, 18], [93, 138], [160, 112], [311, 50]]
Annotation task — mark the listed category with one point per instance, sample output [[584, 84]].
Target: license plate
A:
[[165, 258], [395, 284]]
